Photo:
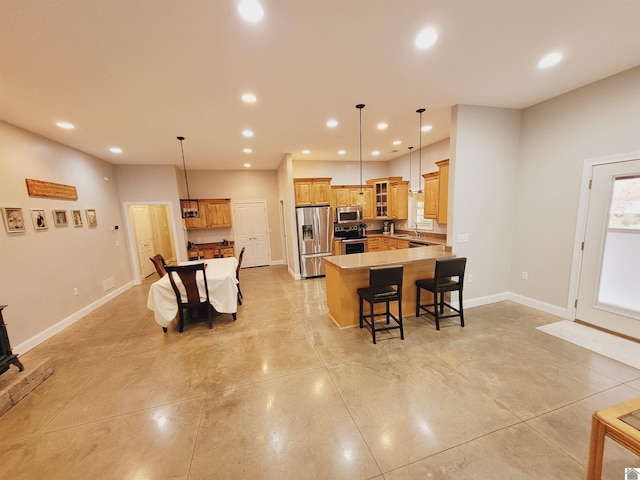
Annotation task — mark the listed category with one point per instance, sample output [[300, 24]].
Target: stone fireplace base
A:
[[15, 385]]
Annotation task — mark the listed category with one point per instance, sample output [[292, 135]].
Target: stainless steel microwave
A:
[[349, 214]]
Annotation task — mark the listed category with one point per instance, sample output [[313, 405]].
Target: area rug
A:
[[620, 349]]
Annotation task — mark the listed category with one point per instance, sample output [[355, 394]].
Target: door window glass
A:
[[619, 279]]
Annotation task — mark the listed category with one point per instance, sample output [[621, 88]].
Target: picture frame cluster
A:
[[14, 220]]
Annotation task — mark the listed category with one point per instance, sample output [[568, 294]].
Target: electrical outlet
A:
[[470, 278], [525, 275], [75, 291]]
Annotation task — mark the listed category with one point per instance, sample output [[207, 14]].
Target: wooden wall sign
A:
[[38, 188]]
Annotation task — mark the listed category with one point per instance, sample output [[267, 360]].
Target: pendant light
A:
[[189, 206], [410, 174], [420, 195], [361, 199]]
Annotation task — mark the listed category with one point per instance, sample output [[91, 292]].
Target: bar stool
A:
[[446, 268], [385, 286]]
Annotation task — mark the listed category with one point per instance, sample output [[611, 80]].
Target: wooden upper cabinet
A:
[[431, 184], [214, 213], [436, 193], [382, 196], [399, 204], [443, 190], [348, 196], [312, 191]]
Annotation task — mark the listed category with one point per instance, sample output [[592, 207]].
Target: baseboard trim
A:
[[46, 334]]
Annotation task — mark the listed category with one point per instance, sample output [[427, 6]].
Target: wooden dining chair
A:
[[188, 276], [238, 275], [159, 263]]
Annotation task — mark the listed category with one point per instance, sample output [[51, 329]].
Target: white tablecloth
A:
[[222, 283]]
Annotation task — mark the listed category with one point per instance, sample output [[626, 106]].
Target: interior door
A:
[[144, 238], [252, 232], [609, 281]]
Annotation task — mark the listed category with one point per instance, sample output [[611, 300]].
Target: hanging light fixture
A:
[[410, 174], [420, 195], [189, 206], [361, 199]]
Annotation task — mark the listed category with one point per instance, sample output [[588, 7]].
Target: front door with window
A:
[[609, 289]]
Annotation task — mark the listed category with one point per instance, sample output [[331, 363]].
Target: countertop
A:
[[388, 257]]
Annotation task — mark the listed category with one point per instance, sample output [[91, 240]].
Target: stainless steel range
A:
[[352, 238]]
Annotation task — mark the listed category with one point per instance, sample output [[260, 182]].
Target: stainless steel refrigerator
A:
[[314, 239]]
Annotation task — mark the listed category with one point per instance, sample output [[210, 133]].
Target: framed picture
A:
[[13, 220], [39, 219], [60, 218], [92, 220], [77, 218]]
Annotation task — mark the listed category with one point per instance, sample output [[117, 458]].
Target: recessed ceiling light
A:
[[426, 38], [247, 133], [375, 153], [249, 98], [250, 10], [65, 125], [306, 152], [246, 165], [247, 150], [427, 128], [332, 123], [550, 60], [342, 152], [397, 142], [382, 126], [115, 150]]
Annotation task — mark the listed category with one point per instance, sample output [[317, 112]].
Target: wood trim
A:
[[39, 188]]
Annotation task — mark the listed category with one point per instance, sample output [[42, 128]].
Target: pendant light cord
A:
[[420, 111], [360, 106], [184, 166], [410, 171]]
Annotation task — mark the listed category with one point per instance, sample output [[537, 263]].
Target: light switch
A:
[[463, 237]]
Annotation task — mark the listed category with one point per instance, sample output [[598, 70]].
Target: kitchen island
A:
[[346, 273]]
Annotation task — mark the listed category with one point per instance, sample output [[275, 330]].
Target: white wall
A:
[[143, 184], [39, 270], [244, 185], [341, 173], [482, 178], [557, 137]]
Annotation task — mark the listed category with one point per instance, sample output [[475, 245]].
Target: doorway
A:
[[607, 295], [251, 227], [152, 232]]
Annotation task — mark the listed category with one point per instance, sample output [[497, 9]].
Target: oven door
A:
[[356, 245]]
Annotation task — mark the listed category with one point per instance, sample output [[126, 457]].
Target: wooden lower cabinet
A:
[[376, 244], [211, 250], [381, 243]]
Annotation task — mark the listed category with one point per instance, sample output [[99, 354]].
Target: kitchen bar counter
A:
[[346, 273]]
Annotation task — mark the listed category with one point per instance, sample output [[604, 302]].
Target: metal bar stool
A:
[[446, 269], [385, 286]]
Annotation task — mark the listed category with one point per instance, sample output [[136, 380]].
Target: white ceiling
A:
[[138, 73]]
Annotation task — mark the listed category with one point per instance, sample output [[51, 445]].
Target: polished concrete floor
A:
[[283, 394]]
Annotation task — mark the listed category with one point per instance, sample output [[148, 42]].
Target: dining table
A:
[[221, 281]]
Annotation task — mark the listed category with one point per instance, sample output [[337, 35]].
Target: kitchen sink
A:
[[403, 235]]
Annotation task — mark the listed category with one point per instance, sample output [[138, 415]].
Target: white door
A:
[[144, 235], [609, 289], [252, 232]]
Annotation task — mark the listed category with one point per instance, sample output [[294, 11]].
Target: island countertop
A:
[[388, 257], [346, 273]]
